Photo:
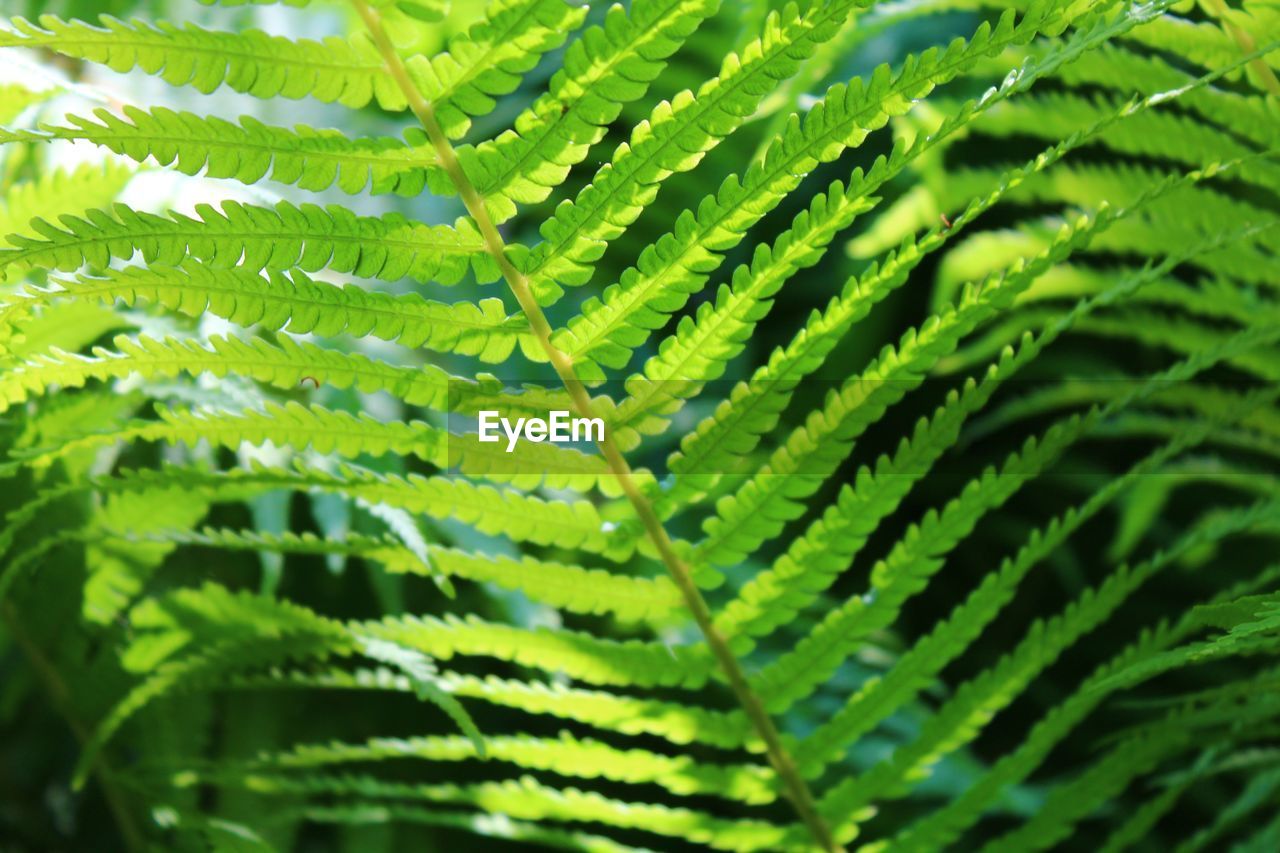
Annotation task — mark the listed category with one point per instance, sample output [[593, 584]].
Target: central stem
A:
[[794, 785]]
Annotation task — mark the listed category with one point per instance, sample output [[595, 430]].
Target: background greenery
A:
[[80, 605]]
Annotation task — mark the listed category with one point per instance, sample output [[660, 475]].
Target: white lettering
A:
[[488, 426], [559, 427], [513, 435], [594, 428]]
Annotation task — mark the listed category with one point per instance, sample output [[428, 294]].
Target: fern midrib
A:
[[797, 789]]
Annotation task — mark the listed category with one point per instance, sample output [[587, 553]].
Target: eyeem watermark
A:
[[559, 428]]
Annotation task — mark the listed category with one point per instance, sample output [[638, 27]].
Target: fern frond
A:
[[284, 366], [752, 409], [675, 139], [262, 388], [775, 596], [951, 637], [807, 567], [484, 825], [579, 655], [945, 824], [300, 305], [921, 552], [517, 516], [289, 425], [118, 572], [1150, 135], [565, 755], [759, 508], [524, 798], [491, 57], [1245, 115], [557, 584], [612, 64], [248, 151], [677, 722], [1257, 791], [257, 238], [679, 264], [980, 699], [239, 632], [486, 61], [265, 66], [701, 347]]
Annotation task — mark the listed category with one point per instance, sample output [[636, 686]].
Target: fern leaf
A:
[[249, 151], [950, 637], [612, 64], [752, 410], [921, 552], [812, 561], [701, 347], [557, 584], [762, 505], [284, 366], [679, 264], [287, 366], [946, 823], [290, 425], [517, 516], [579, 655], [565, 755], [775, 596], [253, 62], [524, 798], [675, 139], [677, 722], [298, 304], [239, 632], [491, 57], [259, 238], [486, 61]]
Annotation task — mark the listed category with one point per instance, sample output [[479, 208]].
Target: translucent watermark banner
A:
[[777, 428]]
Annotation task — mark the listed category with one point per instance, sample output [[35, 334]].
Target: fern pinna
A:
[[936, 495]]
